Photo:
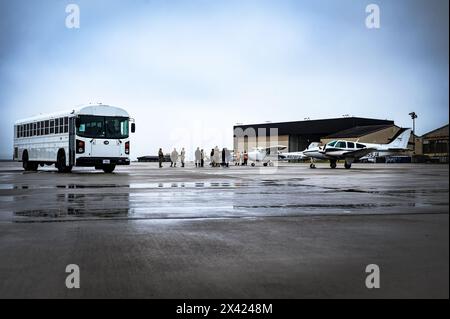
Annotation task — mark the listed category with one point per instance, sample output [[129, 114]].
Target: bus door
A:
[[71, 141]]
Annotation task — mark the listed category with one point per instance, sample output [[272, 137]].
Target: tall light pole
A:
[[413, 117]]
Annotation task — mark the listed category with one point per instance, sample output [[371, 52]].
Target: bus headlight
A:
[[80, 147], [127, 148]]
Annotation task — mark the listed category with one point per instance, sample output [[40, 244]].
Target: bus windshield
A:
[[103, 127]]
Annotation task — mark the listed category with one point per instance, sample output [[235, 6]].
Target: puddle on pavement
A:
[[156, 185], [112, 203], [74, 212]]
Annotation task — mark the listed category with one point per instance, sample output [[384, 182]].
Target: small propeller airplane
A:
[[348, 150], [266, 155]]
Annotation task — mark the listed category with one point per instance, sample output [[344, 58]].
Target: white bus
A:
[[93, 135]]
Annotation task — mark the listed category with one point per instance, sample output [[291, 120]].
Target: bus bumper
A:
[[99, 161]]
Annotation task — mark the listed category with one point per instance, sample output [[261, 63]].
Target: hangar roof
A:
[[442, 128], [321, 128], [358, 131]]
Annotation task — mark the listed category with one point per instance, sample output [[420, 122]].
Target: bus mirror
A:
[[133, 127], [77, 122]]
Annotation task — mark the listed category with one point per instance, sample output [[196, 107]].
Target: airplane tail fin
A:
[[400, 141], [313, 145]]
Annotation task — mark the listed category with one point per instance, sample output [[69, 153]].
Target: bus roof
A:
[[94, 109]]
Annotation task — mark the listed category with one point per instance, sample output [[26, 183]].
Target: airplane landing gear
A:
[[333, 163], [253, 164], [312, 165], [348, 163]]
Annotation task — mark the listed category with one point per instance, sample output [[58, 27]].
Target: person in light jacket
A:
[[238, 158], [174, 158], [217, 156], [198, 155]]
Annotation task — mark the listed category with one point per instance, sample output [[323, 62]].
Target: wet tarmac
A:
[[284, 232]]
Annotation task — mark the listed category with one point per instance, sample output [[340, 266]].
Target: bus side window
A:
[[38, 132], [66, 124], [52, 126], [47, 124], [42, 128], [27, 130], [34, 129], [56, 126]]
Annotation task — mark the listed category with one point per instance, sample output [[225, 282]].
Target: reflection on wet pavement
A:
[[294, 191]]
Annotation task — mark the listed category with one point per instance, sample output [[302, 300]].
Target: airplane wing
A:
[[273, 149], [292, 156]]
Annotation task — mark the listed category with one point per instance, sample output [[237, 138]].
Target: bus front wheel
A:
[[61, 163], [108, 168]]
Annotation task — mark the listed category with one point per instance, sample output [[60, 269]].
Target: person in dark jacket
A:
[[224, 154], [160, 157], [227, 157], [245, 157], [213, 164]]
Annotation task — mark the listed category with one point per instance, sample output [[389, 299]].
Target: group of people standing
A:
[[241, 159], [218, 158]]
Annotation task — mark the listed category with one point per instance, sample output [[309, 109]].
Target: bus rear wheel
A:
[[109, 168], [26, 164], [61, 163]]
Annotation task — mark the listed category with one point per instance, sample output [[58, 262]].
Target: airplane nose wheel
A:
[[312, 165], [333, 164], [347, 165]]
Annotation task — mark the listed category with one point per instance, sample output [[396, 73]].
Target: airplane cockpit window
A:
[[331, 144], [350, 145], [360, 145], [341, 144]]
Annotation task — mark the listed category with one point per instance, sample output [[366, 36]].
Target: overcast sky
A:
[[189, 70]]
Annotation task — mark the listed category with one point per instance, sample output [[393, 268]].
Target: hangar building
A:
[[299, 134], [434, 145]]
